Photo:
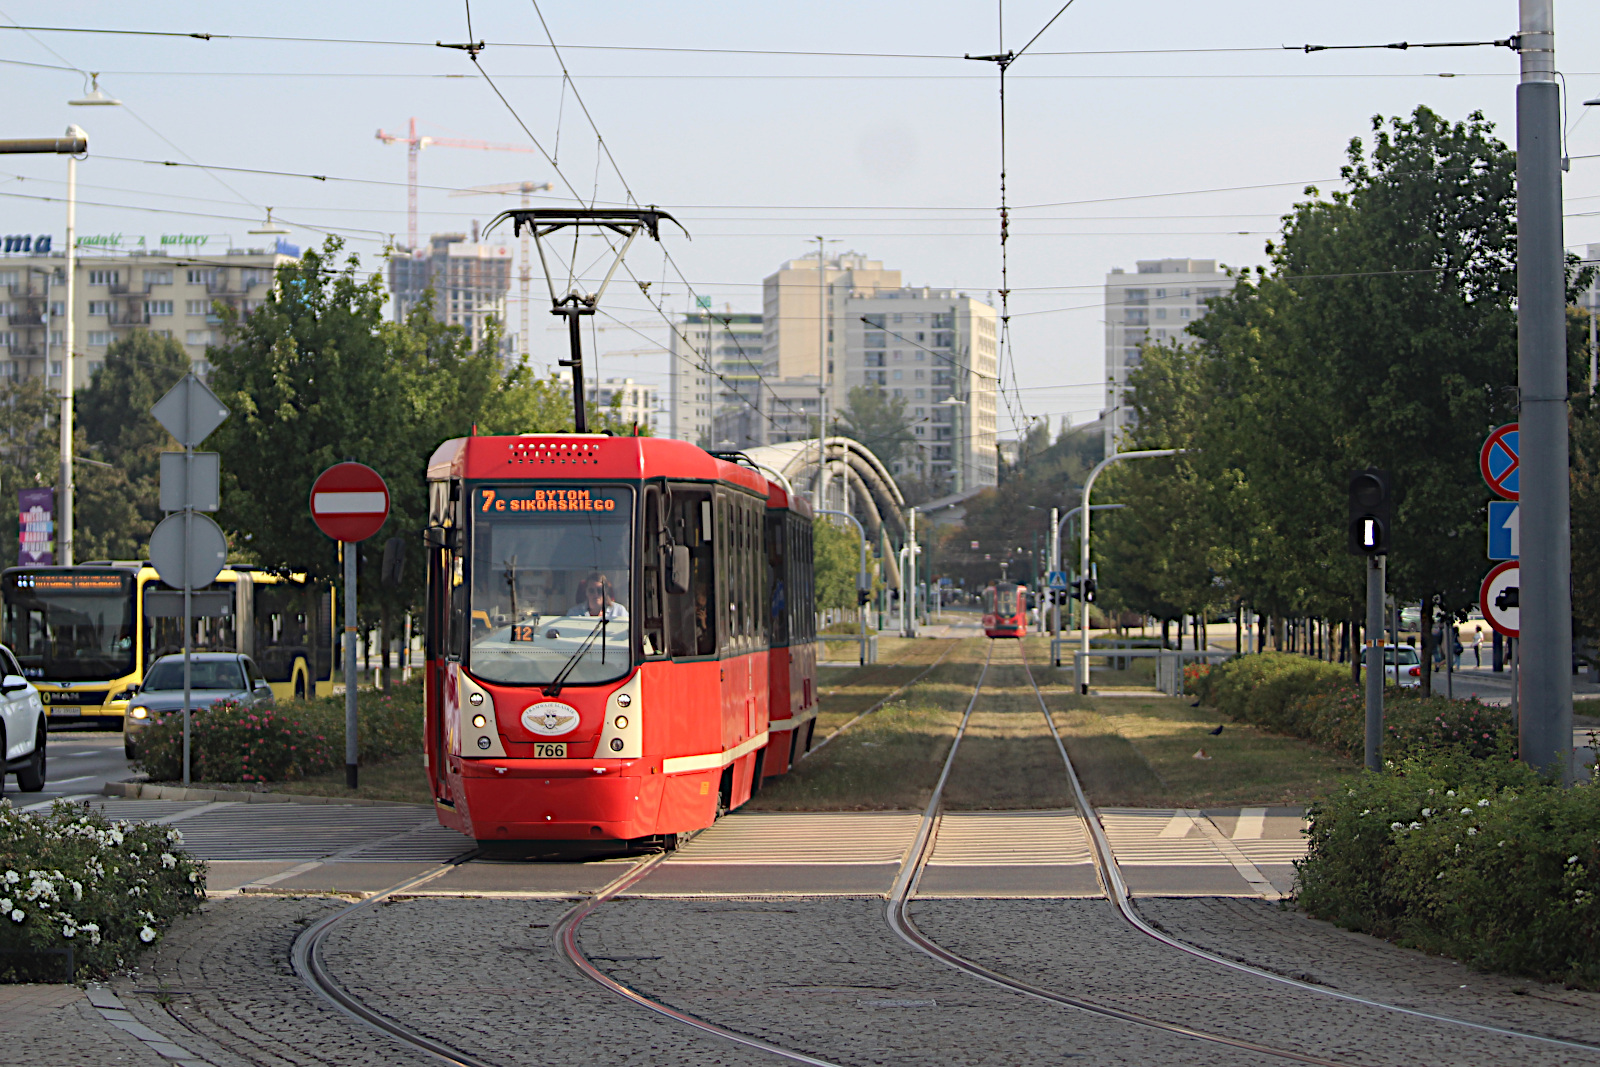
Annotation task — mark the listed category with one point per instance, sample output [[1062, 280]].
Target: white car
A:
[[1402, 665], [22, 726]]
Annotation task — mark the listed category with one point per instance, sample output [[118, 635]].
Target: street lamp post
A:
[[1087, 511], [73, 145]]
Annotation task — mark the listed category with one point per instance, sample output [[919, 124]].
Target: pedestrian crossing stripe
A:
[[1010, 839], [803, 838]]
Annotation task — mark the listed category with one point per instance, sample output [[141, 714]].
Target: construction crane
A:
[[525, 270], [414, 145]]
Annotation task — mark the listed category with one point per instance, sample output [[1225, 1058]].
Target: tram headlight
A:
[[140, 712], [623, 700], [479, 721], [621, 722], [483, 742], [475, 699], [616, 744]]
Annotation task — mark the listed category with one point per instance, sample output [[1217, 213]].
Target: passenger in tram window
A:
[[596, 599]]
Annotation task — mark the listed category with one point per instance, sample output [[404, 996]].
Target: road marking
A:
[[79, 778], [1241, 863], [1177, 826], [70, 799], [1252, 823], [1010, 839], [802, 838], [192, 812], [292, 872]]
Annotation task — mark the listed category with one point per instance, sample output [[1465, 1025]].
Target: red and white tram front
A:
[[596, 647]]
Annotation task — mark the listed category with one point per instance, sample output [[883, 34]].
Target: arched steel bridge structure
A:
[[857, 481]]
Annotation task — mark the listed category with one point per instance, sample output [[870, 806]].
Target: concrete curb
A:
[[149, 791]]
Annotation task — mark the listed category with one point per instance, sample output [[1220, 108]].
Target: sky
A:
[[1141, 129]]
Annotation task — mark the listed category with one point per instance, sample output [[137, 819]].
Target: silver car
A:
[[213, 677]]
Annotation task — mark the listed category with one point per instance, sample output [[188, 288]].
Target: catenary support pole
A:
[[580, 414], [188, 602], [1545, 671], [350, 750], [66, 522], [1376, 566]]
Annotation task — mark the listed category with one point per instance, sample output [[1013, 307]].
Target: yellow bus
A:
[[86, 634]]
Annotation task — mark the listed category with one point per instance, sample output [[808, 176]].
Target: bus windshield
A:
[[550, 583], [72, 626]]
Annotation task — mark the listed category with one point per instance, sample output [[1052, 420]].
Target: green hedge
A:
[[71, 878], [232, 743], [1476, 858], [1311, 699]]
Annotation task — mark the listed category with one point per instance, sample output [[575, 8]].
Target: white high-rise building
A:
[[858, 326], [636, 402], [1156, 304], [710, 409], [469, 281]]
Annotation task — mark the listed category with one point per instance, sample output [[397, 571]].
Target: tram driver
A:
[[595, 599]]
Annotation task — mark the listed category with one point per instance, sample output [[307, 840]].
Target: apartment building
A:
[[855, 324], [175, 294], [1155, 304], [637, 403], [714, 384], [470, 281]]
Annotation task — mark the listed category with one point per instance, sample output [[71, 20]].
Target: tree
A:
[[836, 553], [879, 423], [116, 510]]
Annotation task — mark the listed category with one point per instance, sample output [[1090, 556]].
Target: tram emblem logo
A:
[[549, 718]]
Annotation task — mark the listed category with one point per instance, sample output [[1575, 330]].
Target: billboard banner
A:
[[37, 512]]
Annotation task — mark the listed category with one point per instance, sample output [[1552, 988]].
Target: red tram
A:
[[602, 636], [1005, 610]]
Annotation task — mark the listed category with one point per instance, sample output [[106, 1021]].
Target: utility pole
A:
[[1545, 680], [1377, 567], [822, 371]]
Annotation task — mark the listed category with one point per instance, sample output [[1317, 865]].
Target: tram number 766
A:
[[549, 750]]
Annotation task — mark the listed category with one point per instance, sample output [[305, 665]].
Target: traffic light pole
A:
[[1376, 568], [1545, 645]]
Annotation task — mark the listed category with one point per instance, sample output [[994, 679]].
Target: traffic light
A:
[[1370, 507], [862, 596], [1088, 591]]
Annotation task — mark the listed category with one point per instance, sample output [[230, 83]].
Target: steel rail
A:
[[306, 957], [900, 921], [1117, 889], [565, 933]]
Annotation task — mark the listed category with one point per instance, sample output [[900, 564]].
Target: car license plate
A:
[[549, 750], [64, 709]]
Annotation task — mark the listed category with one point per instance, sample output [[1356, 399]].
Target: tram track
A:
[[306, 951], [1115, 888]]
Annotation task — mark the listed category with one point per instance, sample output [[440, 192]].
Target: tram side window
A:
[[692, 616], [777, 579], [653, 621]]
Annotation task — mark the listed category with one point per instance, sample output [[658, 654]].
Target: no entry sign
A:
[[349, 502], [1499, 463]]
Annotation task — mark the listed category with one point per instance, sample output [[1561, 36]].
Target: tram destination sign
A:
[[523, 499]]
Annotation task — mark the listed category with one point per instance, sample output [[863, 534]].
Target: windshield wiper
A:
[[554, 688]]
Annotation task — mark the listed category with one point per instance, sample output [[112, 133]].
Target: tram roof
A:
[[572, 456]]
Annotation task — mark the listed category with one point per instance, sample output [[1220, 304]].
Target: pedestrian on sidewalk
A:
[[1477, 645]]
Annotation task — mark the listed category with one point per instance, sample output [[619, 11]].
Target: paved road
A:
[[80, 764]]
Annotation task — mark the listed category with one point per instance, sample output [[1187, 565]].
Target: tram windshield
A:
[[70, 626], [550, 583]]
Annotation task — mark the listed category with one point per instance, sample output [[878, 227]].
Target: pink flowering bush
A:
[[70, 878], [232, 742]]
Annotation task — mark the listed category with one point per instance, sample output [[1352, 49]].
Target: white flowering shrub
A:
[[72, 878]]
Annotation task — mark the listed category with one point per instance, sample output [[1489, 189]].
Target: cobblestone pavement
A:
[[1083, 947], [234, 999], [1288, 942], [483, 976]]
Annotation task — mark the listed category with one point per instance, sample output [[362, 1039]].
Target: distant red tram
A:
[[1005, 610], [619, 637]]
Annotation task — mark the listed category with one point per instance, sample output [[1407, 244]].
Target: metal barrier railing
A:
[[1169, 663]]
